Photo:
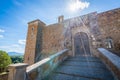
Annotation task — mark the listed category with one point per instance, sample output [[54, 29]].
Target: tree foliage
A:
[[17, 59], [5, 60]]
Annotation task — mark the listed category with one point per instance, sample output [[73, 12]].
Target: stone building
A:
[[82, 34]]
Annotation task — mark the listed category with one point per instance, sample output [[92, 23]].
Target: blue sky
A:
[[15, 14]]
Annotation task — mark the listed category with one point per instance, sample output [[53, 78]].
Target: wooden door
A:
[[81, 44]]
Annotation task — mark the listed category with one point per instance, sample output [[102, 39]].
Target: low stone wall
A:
[[43, 68], [37, 71], [111, 60], [4, 76]]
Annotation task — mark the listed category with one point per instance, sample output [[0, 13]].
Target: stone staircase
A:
[[81, 68], [60, 66]]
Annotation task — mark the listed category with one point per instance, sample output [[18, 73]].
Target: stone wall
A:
[[109, 24], [53, 39], [33, 41], [86, 24], [43, 40], [110, 60], [4, 76]]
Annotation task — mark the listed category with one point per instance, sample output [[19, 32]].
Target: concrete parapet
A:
[[43, 68], [111, 60], [17, 71]]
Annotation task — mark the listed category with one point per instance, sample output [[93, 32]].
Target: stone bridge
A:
[[102, 66]]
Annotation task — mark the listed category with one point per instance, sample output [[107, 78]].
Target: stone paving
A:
[[81, 68]]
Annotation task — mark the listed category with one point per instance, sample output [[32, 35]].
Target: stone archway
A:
[[81, 44]]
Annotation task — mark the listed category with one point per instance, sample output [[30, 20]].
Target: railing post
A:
[[17, 71]]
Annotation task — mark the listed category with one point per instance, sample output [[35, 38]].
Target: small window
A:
[[109, 43], [32, 28]]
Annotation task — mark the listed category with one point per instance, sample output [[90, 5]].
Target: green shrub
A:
[[5, 60]]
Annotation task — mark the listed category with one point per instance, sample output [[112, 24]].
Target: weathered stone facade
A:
[[109, 23], [102, 29], [53, 38], [34, 41]]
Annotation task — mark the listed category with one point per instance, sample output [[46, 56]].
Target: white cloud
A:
[[13, 48], [1, 36], [1, 30], [20, 47], [76, 5], [22, 42]]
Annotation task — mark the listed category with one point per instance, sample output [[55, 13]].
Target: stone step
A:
[[77, 63], [81, 68], [84, 69], [85, 58], [89, 60], [97, 73], [68, 77]]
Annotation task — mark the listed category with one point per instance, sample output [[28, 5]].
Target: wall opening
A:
[[109, 42], [81, 44]]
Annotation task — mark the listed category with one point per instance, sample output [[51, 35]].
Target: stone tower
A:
[[60, 19], [34, 41]]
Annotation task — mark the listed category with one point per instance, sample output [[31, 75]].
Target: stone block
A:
[[17, 71]]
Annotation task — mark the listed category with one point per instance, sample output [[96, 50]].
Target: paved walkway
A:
[[82, 68]]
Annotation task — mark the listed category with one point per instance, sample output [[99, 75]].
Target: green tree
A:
[[17, 59], [5, 60]]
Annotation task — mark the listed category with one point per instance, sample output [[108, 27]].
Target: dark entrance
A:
[[81, 42]]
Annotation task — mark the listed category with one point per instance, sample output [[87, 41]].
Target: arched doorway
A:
[[81, 44]]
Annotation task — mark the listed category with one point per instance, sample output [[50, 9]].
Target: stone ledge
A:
[[111, 60], [18, 65], [44, 61], [4, 76], [17, 71]]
